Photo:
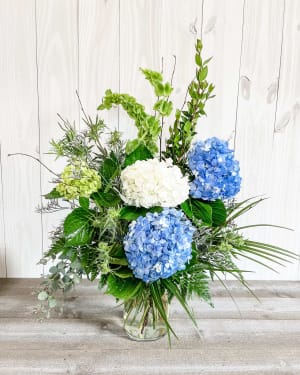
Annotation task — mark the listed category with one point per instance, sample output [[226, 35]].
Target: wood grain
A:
[[19, 133], [140, 32], [179, 30], [95, 343], [259, 70], [222, 40], [57, 64], [50, 48], [98, 55], [285, 158]]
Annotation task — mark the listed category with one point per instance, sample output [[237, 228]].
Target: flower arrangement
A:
[[151, 224]]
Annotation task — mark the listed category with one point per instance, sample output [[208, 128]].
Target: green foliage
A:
[[148, 126], [130, 213], [140, 153], [211, 214], [106, 199], [110, 169], [162, 106], [79, 145], [184, 128], [219, 214], [123, 288], [77, 227], [84, 202], [53, 194]]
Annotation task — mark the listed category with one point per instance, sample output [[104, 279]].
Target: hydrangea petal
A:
[[215, 169], [149, 183], [159, 244]]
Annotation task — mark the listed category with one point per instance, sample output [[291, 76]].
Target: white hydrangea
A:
[[148, 183]]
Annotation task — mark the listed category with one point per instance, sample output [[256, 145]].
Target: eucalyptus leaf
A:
[[42, 296]]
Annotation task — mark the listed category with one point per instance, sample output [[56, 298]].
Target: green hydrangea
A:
[[78, 181]]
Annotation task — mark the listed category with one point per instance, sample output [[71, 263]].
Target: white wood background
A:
[[50, 48]]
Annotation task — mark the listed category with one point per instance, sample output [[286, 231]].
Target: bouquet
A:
[[150, 223]]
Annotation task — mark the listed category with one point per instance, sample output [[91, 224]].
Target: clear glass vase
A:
[[142, 320]]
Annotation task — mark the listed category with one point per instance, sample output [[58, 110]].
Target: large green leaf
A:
[[106, 199], [187, 208], [202, 211], [122, 288], [219, 214], [77, 227], [130, 213], [199, 210], [84, 202], [211, 213], [140, 153]]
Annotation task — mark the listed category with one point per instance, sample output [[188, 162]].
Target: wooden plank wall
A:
[[51, 48]]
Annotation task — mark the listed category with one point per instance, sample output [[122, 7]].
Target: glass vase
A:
[[142, 320]]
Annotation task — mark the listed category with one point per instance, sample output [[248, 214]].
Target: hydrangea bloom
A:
[[215, 169], [149, 183], [78, 181], [159, 244]]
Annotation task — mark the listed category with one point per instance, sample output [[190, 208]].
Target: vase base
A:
[[136, 336]]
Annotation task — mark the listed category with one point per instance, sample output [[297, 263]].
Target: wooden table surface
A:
[[243, 336]]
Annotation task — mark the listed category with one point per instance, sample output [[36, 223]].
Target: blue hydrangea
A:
[[215, 169], [159, 244]]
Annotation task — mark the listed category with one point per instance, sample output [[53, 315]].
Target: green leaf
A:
[[77, 228], [84, 202], [198, 60], [52, 302], [176, 292], [211, 213], [122, 288], [156, 295], [132, 145], [54, 194], [109, 168], [140, 153], [201, 211], [120, 261], [42, 296], [124, 273], [202, 74], [159, 89], [219, 214], [108, 199], [53, 269], [187, 209], [164, 107], [205, 62], [168, 89], [130, 213]]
